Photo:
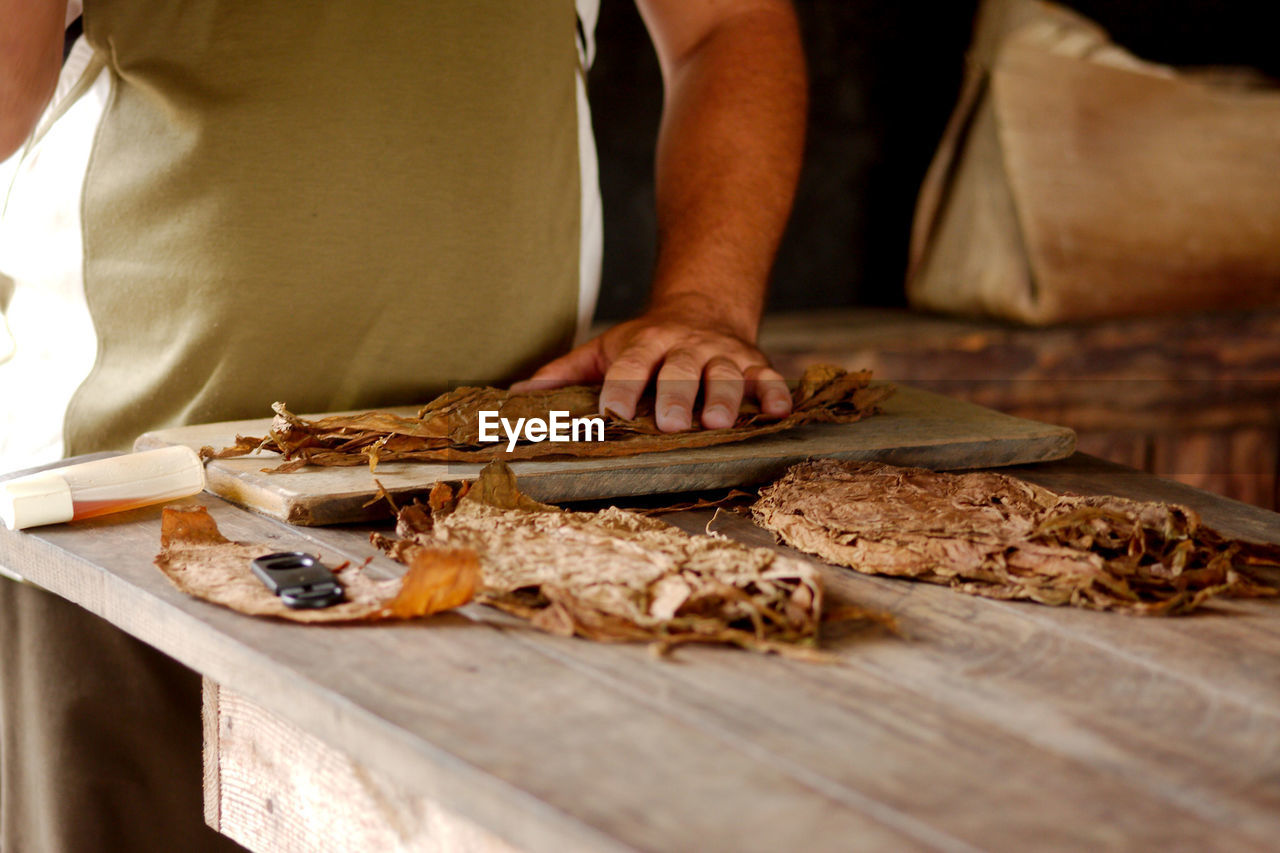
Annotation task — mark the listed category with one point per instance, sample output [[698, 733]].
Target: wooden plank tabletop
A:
[[990, 725]]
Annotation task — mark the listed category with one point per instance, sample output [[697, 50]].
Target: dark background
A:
[[884, 75]]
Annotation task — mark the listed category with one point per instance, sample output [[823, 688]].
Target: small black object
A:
[[300, 580]]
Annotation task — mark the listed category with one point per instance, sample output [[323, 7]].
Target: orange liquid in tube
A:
[[90, 489], [81, 510]]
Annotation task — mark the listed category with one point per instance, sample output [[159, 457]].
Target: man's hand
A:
[[686, 350], [728, 158]]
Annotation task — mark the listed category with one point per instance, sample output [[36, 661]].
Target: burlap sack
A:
[[1075, 181]]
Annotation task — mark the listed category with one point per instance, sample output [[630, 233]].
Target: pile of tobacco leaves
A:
[[447, 428], [992, 535], [616, 576]]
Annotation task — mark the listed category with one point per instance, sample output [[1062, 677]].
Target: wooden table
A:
[[990, 725]]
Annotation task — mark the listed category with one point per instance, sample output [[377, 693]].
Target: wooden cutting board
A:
[[915, 428]]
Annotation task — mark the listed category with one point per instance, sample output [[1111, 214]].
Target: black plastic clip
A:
[[300, 580]]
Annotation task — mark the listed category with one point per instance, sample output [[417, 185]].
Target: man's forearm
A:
[[728, 158], [31, 34], [729, 153]]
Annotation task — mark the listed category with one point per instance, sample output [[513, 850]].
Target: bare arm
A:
[[729, 154], [31, 38], [729, 149]]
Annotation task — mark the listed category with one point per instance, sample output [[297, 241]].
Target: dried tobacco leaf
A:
[[201, 562], [616, 576], [729, 500], [447, 428], [437, 580], [992, 535]]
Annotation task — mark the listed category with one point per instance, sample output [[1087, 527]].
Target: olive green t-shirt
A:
[[337, 205]]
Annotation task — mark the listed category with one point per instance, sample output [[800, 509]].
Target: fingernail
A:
[[674, 419], [609, 408], [717, 417]]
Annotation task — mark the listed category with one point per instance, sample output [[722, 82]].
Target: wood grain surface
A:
[[916, 428], [269, 785], [987, 725], [1194, 397]]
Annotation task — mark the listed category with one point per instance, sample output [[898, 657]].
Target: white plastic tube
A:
[[87, 489]]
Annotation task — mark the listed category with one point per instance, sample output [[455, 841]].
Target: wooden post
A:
[[273, 788]]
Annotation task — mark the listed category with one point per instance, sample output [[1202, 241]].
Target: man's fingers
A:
[[578, 366], [678, 382], [722, 393], [724, 369], [770, 389], [627, 376]]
